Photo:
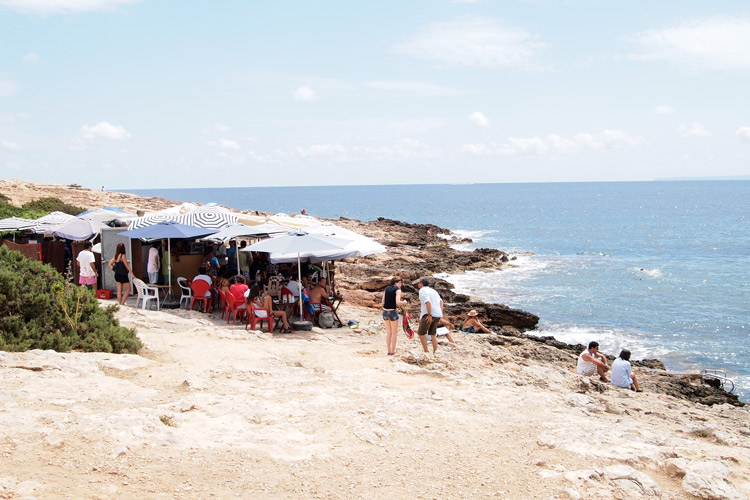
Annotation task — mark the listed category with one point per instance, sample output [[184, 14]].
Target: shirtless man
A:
[[591, 361], [319, 294]]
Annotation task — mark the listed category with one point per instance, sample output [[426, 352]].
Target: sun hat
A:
[[473, 313]]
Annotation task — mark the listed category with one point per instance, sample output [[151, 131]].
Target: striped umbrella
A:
[[51, 221], [16, 224], [152, 219], [209, 217]]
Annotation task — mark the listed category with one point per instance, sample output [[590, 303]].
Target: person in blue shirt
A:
[[622, 373]]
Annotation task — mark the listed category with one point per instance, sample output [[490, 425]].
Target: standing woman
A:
[[119, 264], [391, 301]]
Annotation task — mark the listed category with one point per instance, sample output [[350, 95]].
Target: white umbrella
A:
[[106, 215], [241, 230], [300, 243], [356, 244], [51, 221], [16, 224], [78, 229]]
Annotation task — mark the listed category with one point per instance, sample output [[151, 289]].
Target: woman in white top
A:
[[622, 372]]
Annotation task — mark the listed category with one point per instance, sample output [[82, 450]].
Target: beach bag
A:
[[326, 319], [407, 322]]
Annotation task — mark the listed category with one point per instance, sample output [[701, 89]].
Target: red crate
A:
[[104, 294]]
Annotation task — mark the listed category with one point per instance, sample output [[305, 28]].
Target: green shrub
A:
[[40, 310], [43, 206]]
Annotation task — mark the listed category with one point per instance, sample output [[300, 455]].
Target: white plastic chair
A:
[[145, 293], [187, 293]]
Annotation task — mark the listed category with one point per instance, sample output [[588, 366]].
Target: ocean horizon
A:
[[658, 267]]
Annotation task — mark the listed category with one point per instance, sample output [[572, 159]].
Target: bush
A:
[[40, 310], [37, 208], [43, 206]]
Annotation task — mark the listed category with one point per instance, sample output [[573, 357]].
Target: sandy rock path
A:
[[213, 411]]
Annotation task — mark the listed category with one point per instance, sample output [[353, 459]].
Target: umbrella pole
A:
[[169, 269], [299, 285]]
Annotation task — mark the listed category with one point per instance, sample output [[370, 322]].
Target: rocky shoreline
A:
[[209, 409], [414, 250]]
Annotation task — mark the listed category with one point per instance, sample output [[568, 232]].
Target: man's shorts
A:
[[588, 370], [86, 280], [390, 314], [153, 278], [427, 329]]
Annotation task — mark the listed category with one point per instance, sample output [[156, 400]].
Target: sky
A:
[[131, 94]]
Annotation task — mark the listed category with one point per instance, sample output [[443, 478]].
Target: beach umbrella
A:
[[209, 217], [106, 215], [167, 230], [357, 245], [51, 221], [16, 224], [241, 230], [152, 219], [300, 243], [78, 229]]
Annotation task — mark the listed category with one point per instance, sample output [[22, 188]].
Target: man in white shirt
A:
[[431, 310], [87, 273], [591, 361], [153, 263]]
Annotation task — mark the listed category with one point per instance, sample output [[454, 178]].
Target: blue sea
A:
[[661, 268]]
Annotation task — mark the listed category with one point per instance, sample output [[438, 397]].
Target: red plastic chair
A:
[[233, 307], [257, 314], [199, 288]]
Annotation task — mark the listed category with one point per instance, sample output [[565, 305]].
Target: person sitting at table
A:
[[238, 289], [319, 294], [205, 277], [255, 296], [294, 287]]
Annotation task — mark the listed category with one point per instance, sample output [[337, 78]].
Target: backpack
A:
[[326, 319]]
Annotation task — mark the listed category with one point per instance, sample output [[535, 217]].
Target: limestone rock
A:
[[709, 480], [631, 484]]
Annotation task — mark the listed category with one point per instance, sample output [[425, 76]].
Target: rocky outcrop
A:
[[417, 250]]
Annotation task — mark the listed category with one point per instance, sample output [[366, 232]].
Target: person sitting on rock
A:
[[473, 325], [591, 361], [622, 373]]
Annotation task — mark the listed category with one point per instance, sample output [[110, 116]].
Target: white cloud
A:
[[694, 130], [102, 130], [304, 94], [744, 133], [44, 7], [418, 88], [31, 57], [714, 43], [400, 151], [663, 110], [225, 144], [474, 42], [555, 144], [10, 146], [478, 118], [7, 88]]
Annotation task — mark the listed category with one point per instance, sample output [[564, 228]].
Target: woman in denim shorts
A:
[[391, 301]]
